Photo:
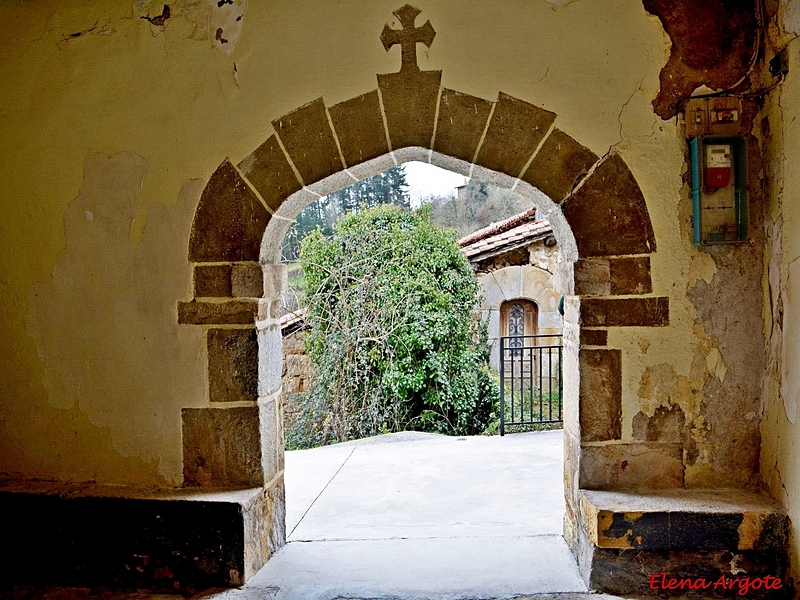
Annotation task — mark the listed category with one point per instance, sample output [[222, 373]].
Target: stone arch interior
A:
[[597, 210]]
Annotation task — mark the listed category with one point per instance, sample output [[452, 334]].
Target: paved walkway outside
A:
[[414, 515]]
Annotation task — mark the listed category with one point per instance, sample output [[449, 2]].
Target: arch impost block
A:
[[231, 312], [625, 312], [617, 276]]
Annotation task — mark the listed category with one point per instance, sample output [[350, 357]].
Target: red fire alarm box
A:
[[719, 164]]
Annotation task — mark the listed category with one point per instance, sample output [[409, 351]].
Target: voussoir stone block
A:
[[409, 103], [232, 365], [359, 126], [306, 134], [268, 171], [515, 130], [212, 281], [559, 165], [462, 119], [625, 312], [641, 465], [608, 214], [600, 395], [232, 312], [229, 221], [221, 447], [247, 281]]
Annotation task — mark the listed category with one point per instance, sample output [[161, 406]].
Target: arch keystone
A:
[[409, 103]]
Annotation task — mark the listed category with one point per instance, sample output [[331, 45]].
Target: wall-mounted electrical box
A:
[[718, 155]]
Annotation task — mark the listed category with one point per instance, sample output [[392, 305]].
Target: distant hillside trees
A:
[[389, 187], [475, 207]]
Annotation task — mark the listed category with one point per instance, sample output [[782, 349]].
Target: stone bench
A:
[[178, 539], [639, 542]]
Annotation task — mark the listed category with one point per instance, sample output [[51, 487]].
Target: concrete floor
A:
[[414, 515]]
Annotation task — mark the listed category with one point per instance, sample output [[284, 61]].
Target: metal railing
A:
[[531, 380]]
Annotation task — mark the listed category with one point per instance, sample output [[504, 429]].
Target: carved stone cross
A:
[[408, 37]]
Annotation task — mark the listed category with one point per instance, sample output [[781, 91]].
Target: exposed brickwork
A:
[[359, 127], [229, 220], [559, 165], [514, 133], [307, 137], [600, 395], [608, 214]]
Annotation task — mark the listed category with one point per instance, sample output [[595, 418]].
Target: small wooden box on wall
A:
[[718, 161]]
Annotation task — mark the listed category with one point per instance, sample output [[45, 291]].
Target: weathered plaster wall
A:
[[109, 112], [780, 426]]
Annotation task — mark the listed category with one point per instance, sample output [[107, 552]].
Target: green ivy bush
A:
[[392, 335]]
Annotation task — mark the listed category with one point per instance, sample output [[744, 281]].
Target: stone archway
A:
[[594, 204]]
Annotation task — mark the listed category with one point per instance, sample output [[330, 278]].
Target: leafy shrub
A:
[[392, 334]]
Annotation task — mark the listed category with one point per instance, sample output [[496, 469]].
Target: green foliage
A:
[[392, 334], [389, 187]]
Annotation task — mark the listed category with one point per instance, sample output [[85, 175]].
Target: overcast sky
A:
[[426, 180]]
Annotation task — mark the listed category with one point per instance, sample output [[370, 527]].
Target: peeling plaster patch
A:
[[712, 44], [790, 355], [219, 22], [702, 267], [105, 323]]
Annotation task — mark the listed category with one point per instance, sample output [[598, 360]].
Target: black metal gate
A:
[[530, 380]]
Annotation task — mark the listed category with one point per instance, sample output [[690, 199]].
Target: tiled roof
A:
[[503, 236], [292, 321]]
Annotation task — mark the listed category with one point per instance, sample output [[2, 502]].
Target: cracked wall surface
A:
[[780, 426], [144, 87]]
